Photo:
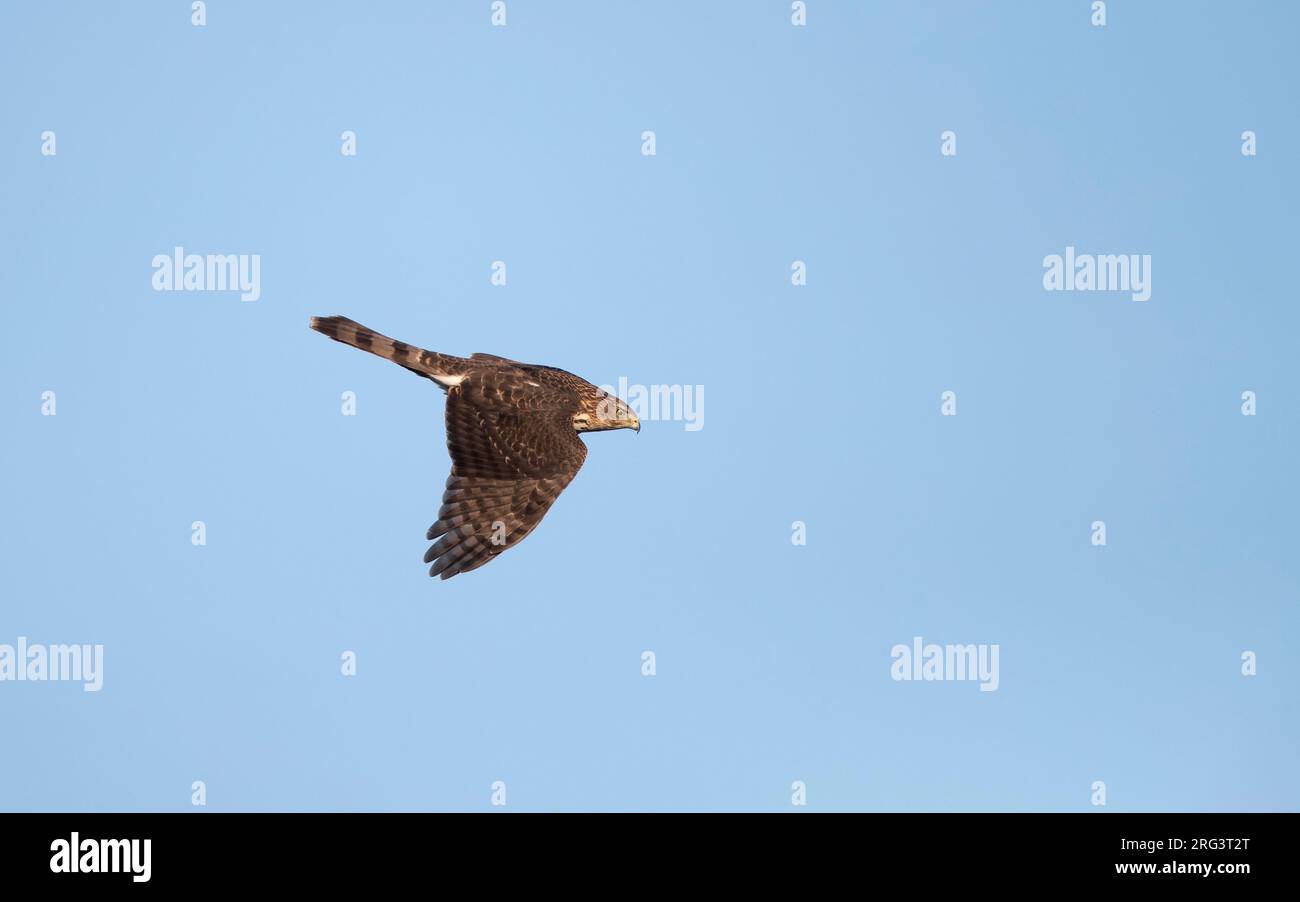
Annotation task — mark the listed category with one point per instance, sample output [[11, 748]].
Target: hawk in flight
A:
[[512, 431]]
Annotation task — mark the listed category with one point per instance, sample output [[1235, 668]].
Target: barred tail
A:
[[442, 368]]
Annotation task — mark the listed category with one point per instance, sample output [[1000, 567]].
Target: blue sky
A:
[[774, 143]]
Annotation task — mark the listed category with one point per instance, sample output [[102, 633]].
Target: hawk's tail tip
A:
[[326, 325]]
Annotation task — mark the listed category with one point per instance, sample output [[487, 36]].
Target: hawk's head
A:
[[599, 410]]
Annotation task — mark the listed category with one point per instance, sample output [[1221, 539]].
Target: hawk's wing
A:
[[513, 450]]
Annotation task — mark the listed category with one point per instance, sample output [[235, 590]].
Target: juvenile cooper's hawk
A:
[[512, 430]]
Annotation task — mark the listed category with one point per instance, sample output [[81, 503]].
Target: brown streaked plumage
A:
[[512, 431]]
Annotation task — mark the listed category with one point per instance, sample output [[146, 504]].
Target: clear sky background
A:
[[822, 404]]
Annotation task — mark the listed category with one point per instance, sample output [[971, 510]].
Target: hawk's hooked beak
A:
[[627, 418]]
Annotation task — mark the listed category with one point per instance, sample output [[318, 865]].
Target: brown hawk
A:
[[512, 431]]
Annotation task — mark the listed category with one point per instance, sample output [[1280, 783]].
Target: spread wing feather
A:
[[513, 450]]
